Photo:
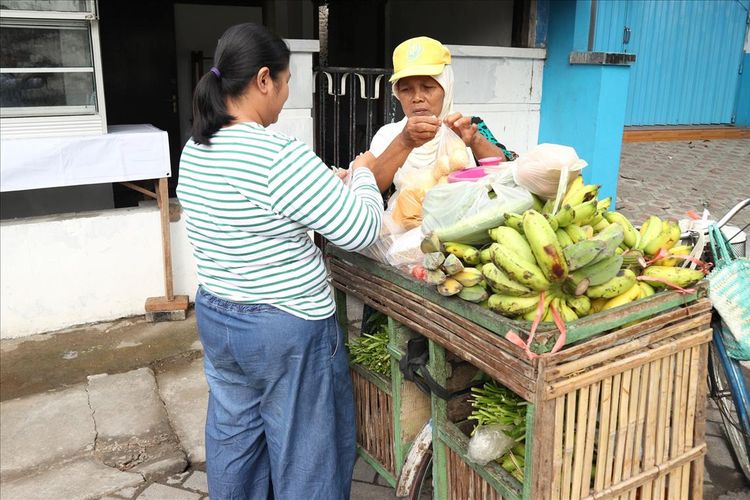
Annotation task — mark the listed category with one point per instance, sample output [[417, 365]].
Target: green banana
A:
[[580, 304], [452, 265], [600, 225], [594, 274], [545, 246], [469, 277], [537, 203], [467, 253], [513, 240], [575, 232], [485, 255], [435, 277], [449, 287], [583, 253], [526, 273], [430, 244], [630, 234], [433, 260], [612, 235], [547, 207], [500, 283], [604, 204], [680, 276], [551, 221], [673, 261], [650, 230], [567, 313], [474, 294], [565, 216], [584, 212], [509, 305], [563, 238], [646, 289], [531, 315], [514, 220], [623, 280]]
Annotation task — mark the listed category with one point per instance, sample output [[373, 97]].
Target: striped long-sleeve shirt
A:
[[249, 199]]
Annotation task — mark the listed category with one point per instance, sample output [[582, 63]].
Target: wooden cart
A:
[[618, 413]]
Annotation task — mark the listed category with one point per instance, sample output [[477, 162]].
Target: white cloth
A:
[[126, 153]]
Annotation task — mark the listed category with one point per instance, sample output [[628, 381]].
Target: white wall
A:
[[503, 86], [71, 269]]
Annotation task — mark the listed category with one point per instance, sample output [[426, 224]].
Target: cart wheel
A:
[[721, 393]]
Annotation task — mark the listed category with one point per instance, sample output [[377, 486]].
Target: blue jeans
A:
[[280, 420]]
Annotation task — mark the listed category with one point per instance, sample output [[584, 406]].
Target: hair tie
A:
[[215, 71]]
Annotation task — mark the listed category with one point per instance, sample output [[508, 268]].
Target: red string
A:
[[517, 340], [676, 287]]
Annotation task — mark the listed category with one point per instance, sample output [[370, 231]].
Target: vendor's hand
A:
[[419, 130], [462, 126]]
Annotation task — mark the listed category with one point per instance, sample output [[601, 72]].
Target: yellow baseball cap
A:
[[421, 56]]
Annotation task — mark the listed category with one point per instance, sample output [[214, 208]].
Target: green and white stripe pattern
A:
[[249, 199]]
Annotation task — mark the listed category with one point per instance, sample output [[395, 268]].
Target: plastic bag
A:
[[488, 443], [452, 154], [405, 206], [449, 203], [546, 169], [405, 250]]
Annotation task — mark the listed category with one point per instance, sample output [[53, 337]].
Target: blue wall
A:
[[583, 106], [743, 96]]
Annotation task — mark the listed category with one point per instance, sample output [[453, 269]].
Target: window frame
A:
[[19, 121]]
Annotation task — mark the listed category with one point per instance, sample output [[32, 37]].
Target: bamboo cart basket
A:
[[390, 411], [618, 413]]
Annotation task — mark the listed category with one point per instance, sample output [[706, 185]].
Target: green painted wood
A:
[[528, 469], [500, 480], [380, 381], [438, 371], [578, 330], [382, 472], [341, 314], [396, 378]]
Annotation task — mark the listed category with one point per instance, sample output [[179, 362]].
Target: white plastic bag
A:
[[405, 249], [488, 443], [449, 203], [546, 169]]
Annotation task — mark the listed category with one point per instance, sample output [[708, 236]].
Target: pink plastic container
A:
[[490, 161], [467, 175]]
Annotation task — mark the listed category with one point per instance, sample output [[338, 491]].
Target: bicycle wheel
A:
[[722, 371]]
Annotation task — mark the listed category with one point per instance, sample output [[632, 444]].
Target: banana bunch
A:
[[577, 261]]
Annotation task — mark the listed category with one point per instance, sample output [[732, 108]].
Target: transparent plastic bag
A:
[[452, 154], [546, 169], [488, 443], [405, 249], [449, 203]]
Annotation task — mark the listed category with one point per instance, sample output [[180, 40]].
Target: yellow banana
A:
[[630, 295], [588, 231], [573, 188], [513, 240], [580, 304], [650, 230], [597, 305], [514, 220], [525, 273], [680, 276], [501, 283], [469, 277], [449, 287], [531, 315], [601, 225], [622, 282], [604, 204], [544, 245], [467, 253], [565, 216], [630, 233], [551, 221], [485, 255], [646, 289], [576, 233], [662, 240], [563, 238], [584, 212], [509, 305], [581, 195], [674, 261], [566, 312]]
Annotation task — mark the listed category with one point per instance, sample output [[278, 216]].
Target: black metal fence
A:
[[350, 104]]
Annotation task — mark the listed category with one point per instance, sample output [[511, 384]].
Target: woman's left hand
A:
[[462, 126]]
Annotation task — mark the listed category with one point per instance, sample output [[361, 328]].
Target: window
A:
[[50, 68]]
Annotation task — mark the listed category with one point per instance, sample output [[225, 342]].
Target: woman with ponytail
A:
[[280, 420]]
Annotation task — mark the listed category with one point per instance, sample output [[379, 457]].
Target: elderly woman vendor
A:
[[423, 84]]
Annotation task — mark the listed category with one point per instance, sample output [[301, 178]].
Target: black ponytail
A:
[[241, 52]]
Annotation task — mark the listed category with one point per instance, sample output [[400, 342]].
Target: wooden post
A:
[[168, 307], [439, 416]]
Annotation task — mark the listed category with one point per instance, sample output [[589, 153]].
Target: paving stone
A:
[[164, 465], [185, 394], [80, 479], [367, 491], [197, 481], [158, 491], [178, 478], [363, 471], [43, 427], [127, 492]]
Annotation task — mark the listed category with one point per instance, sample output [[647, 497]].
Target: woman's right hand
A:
[[363, 160], [419, 130]]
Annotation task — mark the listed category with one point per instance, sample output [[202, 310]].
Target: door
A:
[[139, 66], [688, 57]]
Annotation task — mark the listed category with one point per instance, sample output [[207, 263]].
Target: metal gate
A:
[[689, 57], [350, 105]]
